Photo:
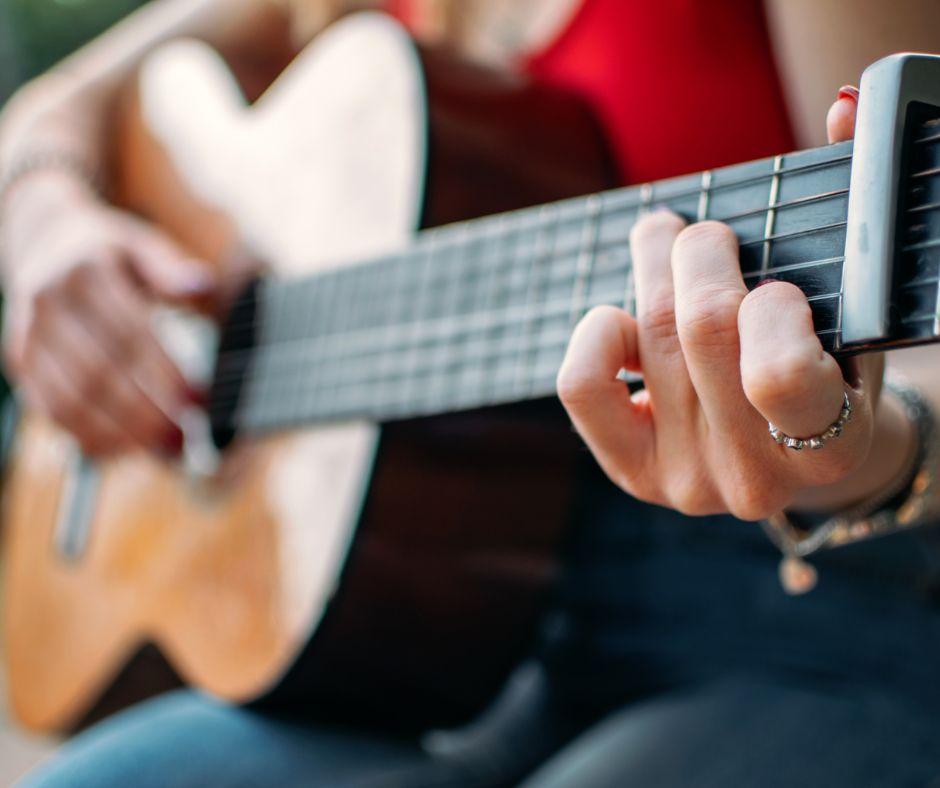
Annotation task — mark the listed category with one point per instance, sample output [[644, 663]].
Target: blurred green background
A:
[[34, 34]]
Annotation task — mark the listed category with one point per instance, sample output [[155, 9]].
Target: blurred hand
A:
[[77, 333], [718, 363]]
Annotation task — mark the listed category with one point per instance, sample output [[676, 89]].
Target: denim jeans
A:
[[672, 658]]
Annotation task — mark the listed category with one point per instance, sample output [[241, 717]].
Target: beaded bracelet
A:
[[912, 501]]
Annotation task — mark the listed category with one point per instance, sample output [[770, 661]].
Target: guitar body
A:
[[355, 568]]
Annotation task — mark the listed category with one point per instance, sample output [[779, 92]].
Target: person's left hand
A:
[[719, 362]]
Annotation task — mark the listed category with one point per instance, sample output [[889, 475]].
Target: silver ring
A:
[[834, 430]]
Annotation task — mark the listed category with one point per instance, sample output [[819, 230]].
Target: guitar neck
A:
[[480, 313]]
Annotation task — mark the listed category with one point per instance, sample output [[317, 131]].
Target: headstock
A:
[[892, 252]]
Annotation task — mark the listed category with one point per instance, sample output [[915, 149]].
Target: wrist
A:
[[32, 206]]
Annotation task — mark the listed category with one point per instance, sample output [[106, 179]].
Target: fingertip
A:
[[840, 121]]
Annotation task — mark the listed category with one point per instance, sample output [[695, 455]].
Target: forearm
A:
[[69, 104], [67, 111]]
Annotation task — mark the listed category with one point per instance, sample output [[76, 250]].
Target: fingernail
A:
[[172, 443], [849, 92], [196, 396], [765, 281]]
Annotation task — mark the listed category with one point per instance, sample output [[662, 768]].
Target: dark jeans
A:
[[673, 659]]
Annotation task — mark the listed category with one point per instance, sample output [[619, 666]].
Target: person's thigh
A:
[[746, 733], [186, 739]]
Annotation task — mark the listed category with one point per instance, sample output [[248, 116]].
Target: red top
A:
[[681, 85]]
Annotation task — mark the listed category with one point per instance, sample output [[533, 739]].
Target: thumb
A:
[[840, 122], [168, 272]]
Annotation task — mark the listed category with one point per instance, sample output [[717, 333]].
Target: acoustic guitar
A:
[[300, 552]]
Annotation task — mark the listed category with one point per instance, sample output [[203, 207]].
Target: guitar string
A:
[[363, 371], [608, 210], [372, 368], [422, 332], [411, 346], [357, 269], [611, 209], [613, 248], [374, 334], [331, 378]]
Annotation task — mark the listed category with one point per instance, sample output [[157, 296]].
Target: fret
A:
[[450, 260], [472, 261], [646, 198], [771, 213], [498, 301], [521, 266], [394, 390], [544, 248], [414, 350], [585, 259], [702, 212]]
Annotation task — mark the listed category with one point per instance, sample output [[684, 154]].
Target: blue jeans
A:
[[672, 659]]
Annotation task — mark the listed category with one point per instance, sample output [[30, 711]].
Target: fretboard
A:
[[480, 313]]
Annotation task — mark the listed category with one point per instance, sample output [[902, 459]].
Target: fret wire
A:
[[586, 257], [543, 253], [771, 212], [494, 261], [421, 305], [450, 299], [704, 193], [646, 198]]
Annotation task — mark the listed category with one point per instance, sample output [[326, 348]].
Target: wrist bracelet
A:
[[62, 160], [911, 501]]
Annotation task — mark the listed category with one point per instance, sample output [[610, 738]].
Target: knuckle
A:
[[92, 383], [640, 485], [753, 501], [655, 225], [79, 277], [691, 495], [46, 300], [704, 236], [709, 318], [575, 388], [66, 411], [771, 292], [658, 319], [789, 377]]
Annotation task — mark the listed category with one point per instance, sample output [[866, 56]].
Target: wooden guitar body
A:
[[339, 565]]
